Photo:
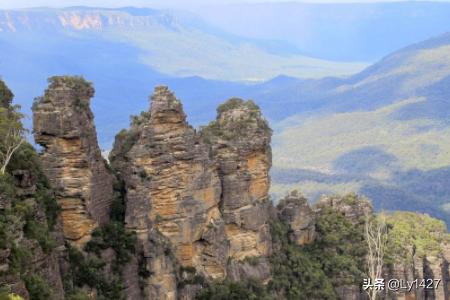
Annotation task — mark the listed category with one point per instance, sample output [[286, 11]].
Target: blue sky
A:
[[154, 3]]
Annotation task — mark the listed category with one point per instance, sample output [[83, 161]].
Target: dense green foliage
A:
[[6, 95], [296, 272], [35, 227], [30, 210], [412, 233], [88, 270], [37, 287], [249, 289], [114, 236], [340, 247], [239, 126]]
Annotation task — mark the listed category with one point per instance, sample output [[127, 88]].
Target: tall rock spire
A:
[[240, 139], [173, 191], [205, 194], [64, 127]]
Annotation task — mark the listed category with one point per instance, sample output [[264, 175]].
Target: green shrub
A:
[[19, 259], [9, 296], [136, 121], [7, 187], [118, 206], [88, 270], [39, 231], [6, 96], [413, 232], [295, 272], [339, 248], [253, 260], [37, 288], [26, 158], [78, 294], [249, 289], [113, 235]]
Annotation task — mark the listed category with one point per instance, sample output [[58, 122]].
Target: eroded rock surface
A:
[[173, 189], [240, 139], [295, 210], [71, 158], [204, 194]]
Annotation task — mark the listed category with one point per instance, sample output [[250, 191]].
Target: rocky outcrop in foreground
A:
[[204, 194], [64, 127]]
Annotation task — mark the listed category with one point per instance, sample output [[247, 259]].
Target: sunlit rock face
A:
[[240, 142], [203, 194], [173, 190], [71, 158]]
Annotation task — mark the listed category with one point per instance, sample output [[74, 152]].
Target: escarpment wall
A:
[[71, 158]]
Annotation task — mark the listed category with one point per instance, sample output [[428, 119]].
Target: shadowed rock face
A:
[[63, 125], [204, 194], [295, 209]]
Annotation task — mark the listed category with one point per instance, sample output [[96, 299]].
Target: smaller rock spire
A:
[[64, 126]]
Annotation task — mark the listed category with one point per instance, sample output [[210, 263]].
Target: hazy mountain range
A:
[[172, 42], [338, 31], [383, 132]]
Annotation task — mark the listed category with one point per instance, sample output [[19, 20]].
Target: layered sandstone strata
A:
[[204, 194], [240, 140], [71, 158], [173, 190]]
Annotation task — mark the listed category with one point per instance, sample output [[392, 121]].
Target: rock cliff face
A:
[[42, 261], [207, 200], [423, 254], [63, 125], [295, 210], [240, 140]]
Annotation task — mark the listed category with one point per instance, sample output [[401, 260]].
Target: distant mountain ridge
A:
[[365, 31], [85, 18], [383, 132], [419, 70], [160, 35]]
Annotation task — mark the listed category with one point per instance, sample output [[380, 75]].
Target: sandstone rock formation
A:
[[204, 196], [173, 192], [63, 125], [295, 210], [44, 263], [353, 207], [240, 140]]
